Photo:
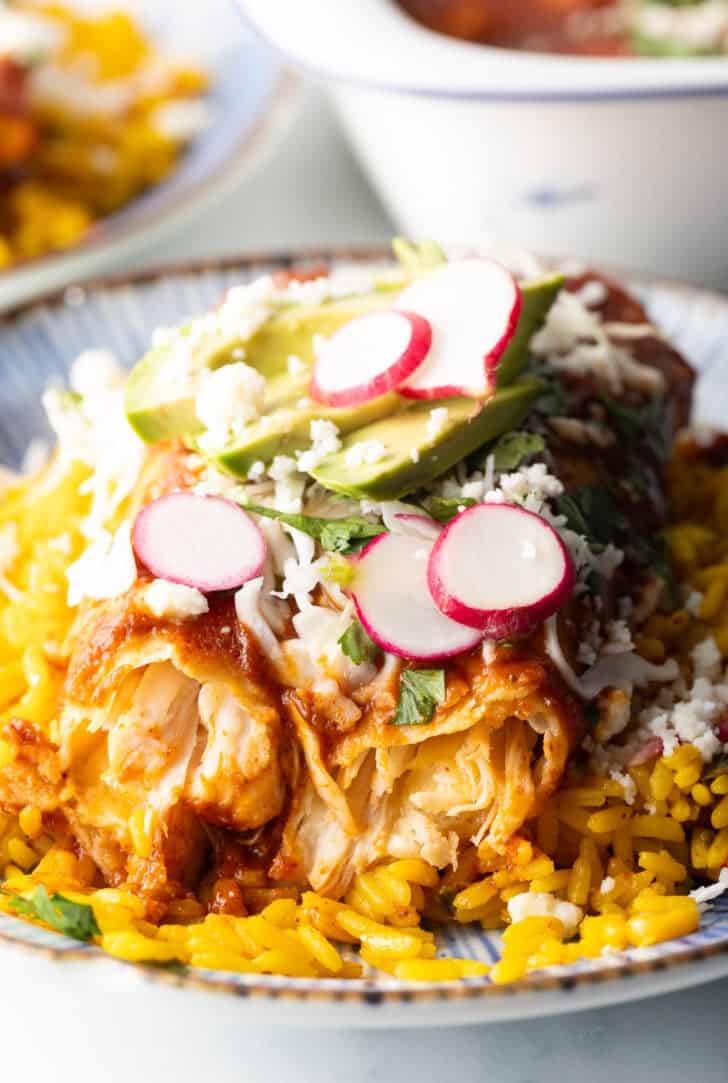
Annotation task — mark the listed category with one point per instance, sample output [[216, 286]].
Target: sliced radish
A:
[[500, 569], [201, 541], [419, 526], [650, 749], [473, 307], [369, 356], [394, 604]]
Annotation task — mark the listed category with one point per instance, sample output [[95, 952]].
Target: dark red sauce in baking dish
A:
[[578, 27]]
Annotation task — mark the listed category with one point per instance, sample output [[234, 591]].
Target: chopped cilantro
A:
[[445, 508], [63, 915], [513, 448], [420, 691], [555, 399], [418, 256], [591, 511], [642, 426], [356, 644], [335, 535]]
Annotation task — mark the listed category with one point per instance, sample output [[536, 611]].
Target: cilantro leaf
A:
[[356, 644], [419, 255], [420, 691], [591, 511], [70, 918], [445, 508], [642, 426], [335, 535], [514, 447]]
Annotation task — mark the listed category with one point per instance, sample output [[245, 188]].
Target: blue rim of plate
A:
[[26, 332]]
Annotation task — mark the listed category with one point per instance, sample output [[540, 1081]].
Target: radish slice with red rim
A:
[[473, 306], [419, 526], [394, 604], [369, 356], [201, 541], [500, 569]]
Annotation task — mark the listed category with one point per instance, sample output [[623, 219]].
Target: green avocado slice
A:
[[161, 391], [536, 300], [414, 452], [288, 429]]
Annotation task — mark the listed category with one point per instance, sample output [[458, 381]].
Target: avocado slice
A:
[[160, 400], [536, 300], [414, 454], [287, 429]]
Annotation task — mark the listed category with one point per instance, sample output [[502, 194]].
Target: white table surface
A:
[[310, 192]]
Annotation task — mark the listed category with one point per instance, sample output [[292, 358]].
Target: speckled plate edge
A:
[[626, 977]]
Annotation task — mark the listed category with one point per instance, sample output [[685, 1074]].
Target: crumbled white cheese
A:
[[289, 484], [607, 885], [540, 904], [295, 365], [573, 339], [174, 601], [436, 422], [582, 432], [182, 120], [257, 470], [490, 650], [244, 310], [619, 638], [325, 437], [707, 894], [592, 294], [105, 569], [693, 602], [706, 659], [93, 371], [630, 330], [228, 399], [94, 430], [365, 452], [622, 670], [679, 714], [28, 37]]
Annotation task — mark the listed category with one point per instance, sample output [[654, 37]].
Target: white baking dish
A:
[[620, 161]]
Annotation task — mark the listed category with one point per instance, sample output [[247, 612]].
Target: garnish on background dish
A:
[[91, 115]]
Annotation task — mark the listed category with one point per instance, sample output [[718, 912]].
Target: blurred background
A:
[[148, 131]]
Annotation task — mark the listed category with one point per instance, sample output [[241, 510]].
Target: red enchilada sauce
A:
[[578, 27]]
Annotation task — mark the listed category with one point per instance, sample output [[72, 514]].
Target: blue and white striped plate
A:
[[38, 344]]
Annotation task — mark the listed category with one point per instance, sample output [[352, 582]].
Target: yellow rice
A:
[[629, 867], [68, 183]]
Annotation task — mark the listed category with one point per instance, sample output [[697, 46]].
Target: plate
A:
[[37, 345], [251, 100]]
